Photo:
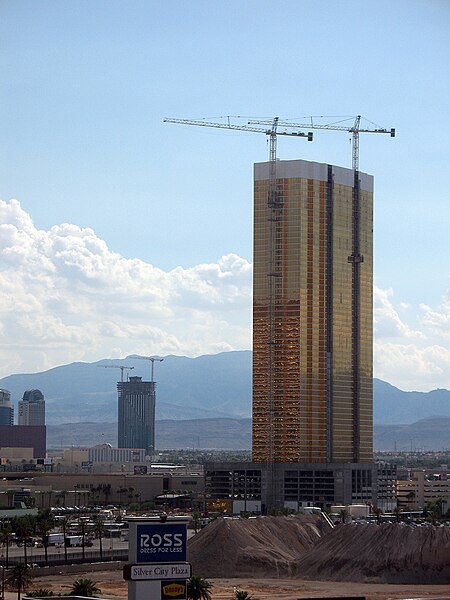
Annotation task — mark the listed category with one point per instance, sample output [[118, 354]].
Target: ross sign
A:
[[157, 571], [161, 542], [173, 590]]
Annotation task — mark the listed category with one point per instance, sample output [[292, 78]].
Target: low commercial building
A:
[[88, 489], [422, 486], [243, 486], [101, 459], [25, 436]]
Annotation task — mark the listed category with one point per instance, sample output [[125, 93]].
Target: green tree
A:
[[433, 510], [85, 587], [20, 578], [198, 588]]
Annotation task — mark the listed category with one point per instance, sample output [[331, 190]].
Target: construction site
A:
[[300, 556]]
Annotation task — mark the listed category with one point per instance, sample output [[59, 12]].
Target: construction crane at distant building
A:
[[152, 359], [121, 367], [291, 129]]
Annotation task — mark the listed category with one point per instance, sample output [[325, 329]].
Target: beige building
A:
[[423, 486], [100, 459], [87, 489]]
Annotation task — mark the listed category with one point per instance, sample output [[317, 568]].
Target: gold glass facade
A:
[[312, 315]]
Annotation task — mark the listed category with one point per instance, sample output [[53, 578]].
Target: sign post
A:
[[157, 552]]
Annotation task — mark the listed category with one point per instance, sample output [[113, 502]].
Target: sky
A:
[[121, 234]]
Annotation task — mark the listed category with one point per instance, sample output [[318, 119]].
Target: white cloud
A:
[[412, 358], [437, 321], [387, 321], [412, 368], [65, 296]]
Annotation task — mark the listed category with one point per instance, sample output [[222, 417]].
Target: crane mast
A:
[[152, 359]]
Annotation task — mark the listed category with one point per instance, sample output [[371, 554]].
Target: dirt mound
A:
[[388, 553], [261, 547]]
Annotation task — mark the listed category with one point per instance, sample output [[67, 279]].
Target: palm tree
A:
[[397, 511], [344, 514], [10, 494], [198, 588], [241, 595], [106, 489], [40, 593], [99, 527], [82, 531], [44, 526], [61, 495], [20, 578], [378, 512], [5, 538], [85, 587], [64, 523], [122, 490], [25, 527], [196, 520]]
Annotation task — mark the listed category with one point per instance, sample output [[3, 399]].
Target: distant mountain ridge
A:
[[207, 387]]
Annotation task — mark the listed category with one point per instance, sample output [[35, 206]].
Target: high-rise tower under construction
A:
[[136, 414], [312, 314]]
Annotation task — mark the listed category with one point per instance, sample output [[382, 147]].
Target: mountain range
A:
[[210, 386]]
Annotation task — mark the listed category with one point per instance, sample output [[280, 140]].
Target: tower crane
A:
[[152, 359], [122, 369]]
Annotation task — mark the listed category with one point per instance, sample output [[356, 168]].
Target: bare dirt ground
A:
[[115, 588]]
